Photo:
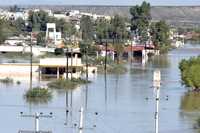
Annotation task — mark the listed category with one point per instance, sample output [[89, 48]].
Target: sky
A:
[[101, 2]]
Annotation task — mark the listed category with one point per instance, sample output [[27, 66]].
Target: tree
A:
[[86, 27], [118, 33], [19, 23], [85, 47], [2, 35], [66, 28], [190, 73], [140, 20], [7, 29], [38, 20], [41, 38], [118, 28], [101, 27], [160, 35]]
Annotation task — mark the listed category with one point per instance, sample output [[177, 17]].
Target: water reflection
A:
[[116, 88], [123, 97], [38, 101], [105, 86], [67, 108], [161, 61], [190, 102]]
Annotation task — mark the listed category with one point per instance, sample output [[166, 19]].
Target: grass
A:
[[113, 69], [67, 84], [6, 80], [38, 95]]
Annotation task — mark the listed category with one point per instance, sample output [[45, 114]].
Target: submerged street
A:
[[124, 103]]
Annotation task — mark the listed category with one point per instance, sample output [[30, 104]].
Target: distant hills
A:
[[186, 16]]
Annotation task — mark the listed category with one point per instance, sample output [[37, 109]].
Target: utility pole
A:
[[36, 117], [156, 85], [31, 62], [105, 67], [86, 54], [81, 121], [71, 63], [67, 66]]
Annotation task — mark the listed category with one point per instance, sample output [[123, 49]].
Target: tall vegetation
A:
[[8, 28], [102, 27], [86, 28], [190, 73], [144, 29], [38, 95], [118, 33], [140, 21], [160, 35]]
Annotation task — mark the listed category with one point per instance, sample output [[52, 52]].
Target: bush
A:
[[190, 73], [18, 82], [113, 69], [67, 84], [38, 92], [59, 51], [6, 80]]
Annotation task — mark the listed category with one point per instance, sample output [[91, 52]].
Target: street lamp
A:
[[29, 30]]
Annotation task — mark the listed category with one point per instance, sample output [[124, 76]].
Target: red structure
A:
[[138, 48]]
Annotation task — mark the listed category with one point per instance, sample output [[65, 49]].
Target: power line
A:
[[36, 116]]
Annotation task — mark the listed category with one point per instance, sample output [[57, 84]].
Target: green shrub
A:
[[38, 95], [113, 69], [190, 72], [38, 92], [6, 80], [59, 51], [67, 84]]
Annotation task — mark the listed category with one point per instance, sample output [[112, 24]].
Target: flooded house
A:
[[58, 67]]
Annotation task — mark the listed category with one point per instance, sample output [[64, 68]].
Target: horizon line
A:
[[96, 5]]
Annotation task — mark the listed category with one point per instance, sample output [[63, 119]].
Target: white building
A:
[[56, 67], [74, 12], [52, 35]]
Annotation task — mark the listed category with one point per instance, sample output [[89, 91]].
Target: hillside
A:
[[175, 15]]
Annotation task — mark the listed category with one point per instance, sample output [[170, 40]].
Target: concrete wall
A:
[[60, 62], [36, 50], [18, 71]]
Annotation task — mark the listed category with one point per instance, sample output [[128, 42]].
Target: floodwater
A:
[[125, 103]]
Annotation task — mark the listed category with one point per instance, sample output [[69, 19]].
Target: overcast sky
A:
[[98, 2]]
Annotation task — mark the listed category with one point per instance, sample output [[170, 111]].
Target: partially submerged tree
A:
[[118, 33], [160, 35], [190, 73], [102, 27]]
